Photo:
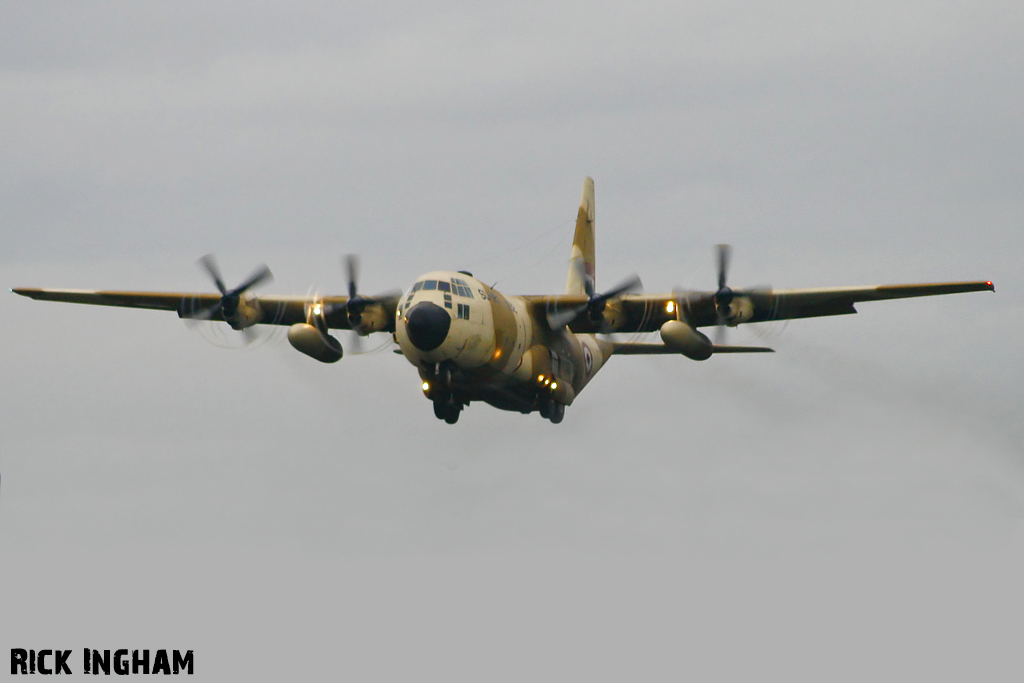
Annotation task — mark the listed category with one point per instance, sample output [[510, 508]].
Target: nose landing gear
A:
[[447, 410], [445, 406]]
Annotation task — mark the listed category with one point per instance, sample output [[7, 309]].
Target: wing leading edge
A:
[[648, 312], [639, 312], [275, 310]]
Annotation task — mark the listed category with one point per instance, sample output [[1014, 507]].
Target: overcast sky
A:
[[859, 492]]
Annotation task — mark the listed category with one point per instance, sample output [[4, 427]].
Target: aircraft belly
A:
[[499, 390], [508, 398]]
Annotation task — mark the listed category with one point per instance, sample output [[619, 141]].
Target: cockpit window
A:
[[457, 286]]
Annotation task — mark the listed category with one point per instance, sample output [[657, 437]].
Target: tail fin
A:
[[583, 245]]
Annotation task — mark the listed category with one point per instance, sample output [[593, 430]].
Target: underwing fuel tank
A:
[[315, 344], [688, 341]]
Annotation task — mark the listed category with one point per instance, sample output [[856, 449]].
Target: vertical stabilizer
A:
[[581, 263]]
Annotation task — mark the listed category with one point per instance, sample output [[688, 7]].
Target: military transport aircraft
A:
[[520, 353]]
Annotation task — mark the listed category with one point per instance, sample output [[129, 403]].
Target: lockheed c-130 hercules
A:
[[519, 353]]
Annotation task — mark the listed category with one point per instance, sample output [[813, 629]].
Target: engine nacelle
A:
[[686, 340], [245, 313], [739, 311], [310, 341], [373, 318], [612, 317]]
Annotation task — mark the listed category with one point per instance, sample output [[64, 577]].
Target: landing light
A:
[[554, 385], [547, 381], [540, 378], [670, 306], [316, 310], [426, 386]]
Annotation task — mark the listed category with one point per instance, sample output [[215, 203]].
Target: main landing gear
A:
[[552, 410]]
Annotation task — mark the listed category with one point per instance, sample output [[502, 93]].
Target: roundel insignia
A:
[[588, 359]]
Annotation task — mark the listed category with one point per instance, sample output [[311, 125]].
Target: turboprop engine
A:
[[237, 306], [242, 313], [314, 343], [686, 340], [739, 310]]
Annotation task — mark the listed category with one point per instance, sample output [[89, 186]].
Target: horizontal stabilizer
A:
[[631, 349], [718, 348]]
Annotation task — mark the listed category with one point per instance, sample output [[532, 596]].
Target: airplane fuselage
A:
[[472, 343]]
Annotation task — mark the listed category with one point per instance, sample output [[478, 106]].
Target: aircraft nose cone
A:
[[427, 325]]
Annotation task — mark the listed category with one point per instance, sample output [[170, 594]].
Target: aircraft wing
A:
[[275, 310], [648, 312]]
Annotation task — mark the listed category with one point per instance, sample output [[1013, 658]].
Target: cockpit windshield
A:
[[455, 285]]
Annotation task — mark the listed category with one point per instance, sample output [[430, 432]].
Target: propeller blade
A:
[[351, 263], [209, 263], [390, 294], [229, 299], [630, 284], [559, 319], [724, 254], [684, 299], [261, 274], [203, 313]]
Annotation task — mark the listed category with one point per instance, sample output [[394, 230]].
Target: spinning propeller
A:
[[229, 303], [357, 303], [595, 303], [724, 296]]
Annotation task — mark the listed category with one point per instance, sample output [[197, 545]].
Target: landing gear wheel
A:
[[447, 410], [444, 376], [545, 408], [557, 413]]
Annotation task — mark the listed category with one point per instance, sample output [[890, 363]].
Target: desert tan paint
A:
[[504, 341], [583, 241]]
